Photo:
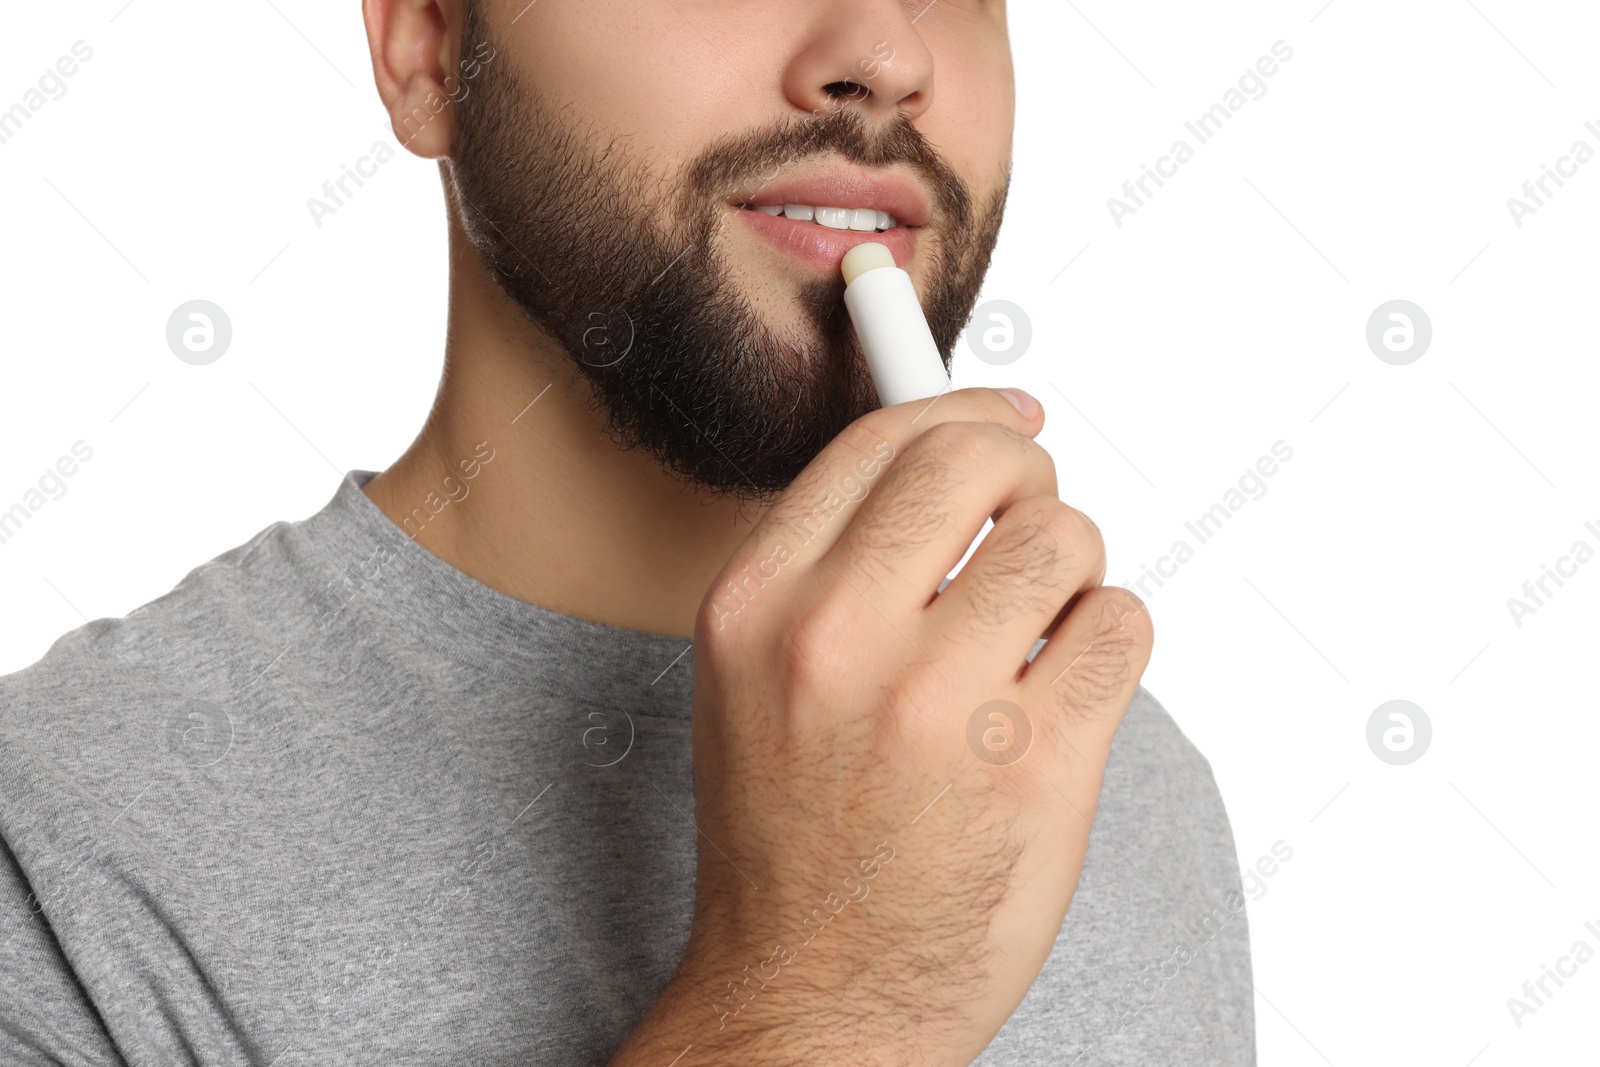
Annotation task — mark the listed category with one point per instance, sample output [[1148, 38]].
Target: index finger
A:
[[807, 518]]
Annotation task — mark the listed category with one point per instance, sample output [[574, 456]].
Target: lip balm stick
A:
[[895, 338], [894, 334]]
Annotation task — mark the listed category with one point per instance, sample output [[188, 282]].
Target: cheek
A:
[[974, 110], [642, 73]]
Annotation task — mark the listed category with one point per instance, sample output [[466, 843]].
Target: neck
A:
[[513, 481]]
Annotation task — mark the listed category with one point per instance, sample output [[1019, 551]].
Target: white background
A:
[[1227, 314]]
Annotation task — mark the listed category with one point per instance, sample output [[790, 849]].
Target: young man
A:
[[622, 720]]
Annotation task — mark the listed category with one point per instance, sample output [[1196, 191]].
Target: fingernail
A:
[[1021, 401]]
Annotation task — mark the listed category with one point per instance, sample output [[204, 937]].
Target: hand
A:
[[894, 804]]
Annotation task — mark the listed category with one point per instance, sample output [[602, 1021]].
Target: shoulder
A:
[[120, 690], [1160, 798], [106, 717], [1150, 738]]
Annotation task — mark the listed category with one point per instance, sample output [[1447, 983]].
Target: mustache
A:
[[748, 160]]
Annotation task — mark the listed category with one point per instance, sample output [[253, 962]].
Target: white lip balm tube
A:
[[900, 350]]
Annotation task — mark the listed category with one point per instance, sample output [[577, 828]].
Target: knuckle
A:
[[912, 719], [911, 505], [813, 642], [961, 445], [1127, 610], [908, 516], [1044, 536], [1023, 449], [1030, 563], [714, 633], [1039, 454], [1095, 682], [1076, 530], [1019, 567]]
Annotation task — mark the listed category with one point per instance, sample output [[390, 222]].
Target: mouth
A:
[[818, 216]]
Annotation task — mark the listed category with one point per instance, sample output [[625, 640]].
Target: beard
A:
[[620, 265]]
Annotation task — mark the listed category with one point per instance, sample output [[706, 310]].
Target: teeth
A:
[[834, 218], [859, 219]]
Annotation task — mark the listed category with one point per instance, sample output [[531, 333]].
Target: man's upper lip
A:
[[892, 191]]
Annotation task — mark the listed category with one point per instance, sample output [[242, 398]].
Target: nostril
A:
[[847, 89]]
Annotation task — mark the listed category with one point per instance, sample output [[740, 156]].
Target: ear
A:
[[414, 44]]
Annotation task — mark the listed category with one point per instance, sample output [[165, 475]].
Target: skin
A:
[[563, 516]]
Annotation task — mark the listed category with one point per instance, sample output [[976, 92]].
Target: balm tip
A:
[[865, 257]]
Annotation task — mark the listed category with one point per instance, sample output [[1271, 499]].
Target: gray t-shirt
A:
[[332, 800]]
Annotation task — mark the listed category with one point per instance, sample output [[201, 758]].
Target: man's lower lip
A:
[[822, 247]]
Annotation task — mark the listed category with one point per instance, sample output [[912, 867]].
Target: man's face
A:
[[602, 162]]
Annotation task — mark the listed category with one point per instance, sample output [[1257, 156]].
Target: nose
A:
[[865, 54]]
